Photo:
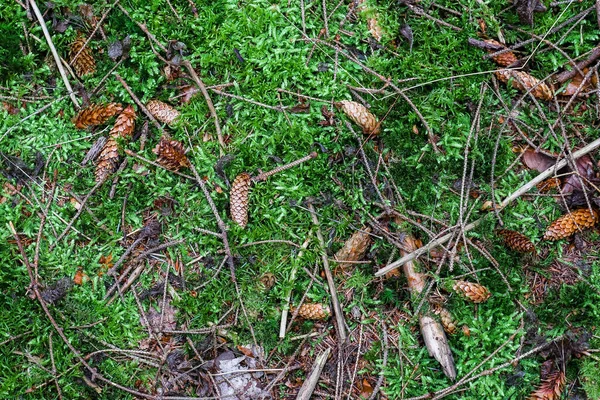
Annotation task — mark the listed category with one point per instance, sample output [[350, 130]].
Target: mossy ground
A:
[[447, 77]]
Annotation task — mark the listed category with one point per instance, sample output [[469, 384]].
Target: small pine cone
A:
[[84, 64], [361, 116], [569, 224], [162, 111], [96, 114], [354, 249], [171, 154], [313, 311], [516, 241], [124, 124], [238, 199], [471, 291], [445, 318], [504, 59], [548, 185], [108, 160], [525, 82]]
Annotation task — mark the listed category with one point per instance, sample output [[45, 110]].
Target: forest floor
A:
[[124, 275]]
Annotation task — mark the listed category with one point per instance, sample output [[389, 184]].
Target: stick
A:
[[286, 310], [57, 60], [337, 309], [516, 194], [264, 175], [309, 384]]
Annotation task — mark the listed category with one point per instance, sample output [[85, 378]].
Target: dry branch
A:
[[310, 383], [515, 195]]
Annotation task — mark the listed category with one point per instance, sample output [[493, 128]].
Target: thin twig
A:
[[57, 60], [264, 175], [339, 316]]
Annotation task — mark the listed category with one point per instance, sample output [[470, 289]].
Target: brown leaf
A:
[[366, 389], [329, 117], [10, 108], [303, 107], [187, 92], [79, 276], [585, 168], [536, 160]]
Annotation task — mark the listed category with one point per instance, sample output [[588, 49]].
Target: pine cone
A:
[[551, 388], [162, 111], [238, 199], [171, 154], [375, 28], [525, 82], [361, 116], [313, 311], [570, 223], [125, 123], [504, 59], [516, 241], [84, 64], [96, 114], [445, 318], [548, 185], [108, 160], [471, 291], [354, 249]]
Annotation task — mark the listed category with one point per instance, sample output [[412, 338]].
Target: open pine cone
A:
[[171, 154], [503, 59], [96, 114], [108, 160], [84, 64], [125, 123], [569, 224]]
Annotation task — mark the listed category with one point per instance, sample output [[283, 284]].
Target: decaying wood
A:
[[309, 384], [432, 331]]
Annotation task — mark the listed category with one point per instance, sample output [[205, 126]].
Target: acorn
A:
[[569, 224]]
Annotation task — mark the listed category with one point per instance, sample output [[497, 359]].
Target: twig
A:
[[133, 154], [264, 175], [566, 75], [285, 311], [337, 309], [515, 195], [383, 362], [57, 60], [310, 383], [139, 103]]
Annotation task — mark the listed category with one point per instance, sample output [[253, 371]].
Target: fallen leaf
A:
[[537, 160], [366, 389], [79, 276], [585, 168], [407, 33]]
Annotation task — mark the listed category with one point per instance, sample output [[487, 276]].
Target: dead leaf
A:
[[526, 8], [329, 117], [407, 33], [154, 317], [303, 107], [231, 380], [79, 276], [366, 389], [537, 160], [585, 168], [10, 108], [187, 92]]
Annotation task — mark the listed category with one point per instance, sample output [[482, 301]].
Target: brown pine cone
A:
[[313, 311], [171, 154], [125, 123], [361, 116], [525, 82], [516, 241], [108, 160], [471, 291], [550, 388], [548, 185], [238, 199], [445, 318], [162, 111], [96, 114], [354, 249], [570, 223], [504, 59], [84, 64]]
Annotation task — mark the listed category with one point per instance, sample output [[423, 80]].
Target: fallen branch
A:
[[515, 195], [264, 175], [310, 383], [57, 60], [337, 309]]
